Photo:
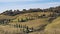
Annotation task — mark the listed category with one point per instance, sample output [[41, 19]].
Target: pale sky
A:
[[27, 4]]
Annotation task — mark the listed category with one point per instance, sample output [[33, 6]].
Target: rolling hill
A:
[[32, 21]]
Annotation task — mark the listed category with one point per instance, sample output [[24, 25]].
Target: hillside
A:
[[32, 21], [54, 27]]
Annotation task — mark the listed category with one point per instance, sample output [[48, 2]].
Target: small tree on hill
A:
[[18, 20], [27, 29], [22, 20]]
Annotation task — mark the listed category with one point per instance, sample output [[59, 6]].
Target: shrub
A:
[[23, 20]]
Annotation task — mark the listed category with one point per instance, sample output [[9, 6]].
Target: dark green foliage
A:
[[18, 20], [4, 21], [27, 29], [16, 26], [22, 20], [42, 16], [24, 10], [32, 28], [27, 19], [19, 25], [16, 12]]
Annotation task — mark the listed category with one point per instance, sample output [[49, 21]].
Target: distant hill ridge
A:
[[16, 12]]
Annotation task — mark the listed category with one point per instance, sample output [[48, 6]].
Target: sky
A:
[[27, 4]]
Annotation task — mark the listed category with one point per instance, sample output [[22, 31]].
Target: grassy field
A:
[[36, 23], [54, 27]]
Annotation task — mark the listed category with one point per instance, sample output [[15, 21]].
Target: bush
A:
[[23, 20]]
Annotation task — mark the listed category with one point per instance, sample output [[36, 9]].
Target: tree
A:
[[19, 25], [26, 19], [17, 10], [32, 28], [18, 20], [42, 16], [16, 25], [23, 20], [27, 29], [24, 10]]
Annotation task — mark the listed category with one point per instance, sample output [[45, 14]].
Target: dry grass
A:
[[31, 23]]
